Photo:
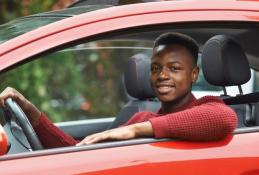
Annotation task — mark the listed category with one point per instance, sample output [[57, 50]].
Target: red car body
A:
[[238, 154]]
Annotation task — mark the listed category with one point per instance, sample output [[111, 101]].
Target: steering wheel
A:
[[26, 126]]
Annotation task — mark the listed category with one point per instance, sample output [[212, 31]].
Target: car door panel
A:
[[178, 157]]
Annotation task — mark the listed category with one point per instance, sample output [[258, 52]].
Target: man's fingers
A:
[[93, 139], [123, 133], [86, 140], [3, 97], [13, 94], [8, 93], [2, 104]]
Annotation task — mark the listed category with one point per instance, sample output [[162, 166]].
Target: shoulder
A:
[[211, 102], [215, 104], [141, 117], [209, 99], [144, 114]]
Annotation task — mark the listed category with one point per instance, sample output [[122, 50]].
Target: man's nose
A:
[[164, 74]]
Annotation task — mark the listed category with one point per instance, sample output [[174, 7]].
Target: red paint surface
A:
[[116, 18], [236, 155], [3, 141]]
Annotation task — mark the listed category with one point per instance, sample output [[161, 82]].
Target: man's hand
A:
[[30, 110], [143, 129]]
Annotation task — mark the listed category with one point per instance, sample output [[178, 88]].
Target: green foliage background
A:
[[61, 82], [11, 9]]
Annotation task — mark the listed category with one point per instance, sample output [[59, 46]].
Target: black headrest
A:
[[224, 63], [136, 77]]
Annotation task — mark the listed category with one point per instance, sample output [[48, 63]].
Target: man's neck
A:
[[177, 104]]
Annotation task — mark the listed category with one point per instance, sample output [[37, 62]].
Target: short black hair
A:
[[181, 39]]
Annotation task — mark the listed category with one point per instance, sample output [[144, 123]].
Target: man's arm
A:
[[209, 121], [51, 136], [143, 129], [29, 109]]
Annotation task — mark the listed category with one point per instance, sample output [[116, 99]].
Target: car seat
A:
[[136, 80], [224, 63]]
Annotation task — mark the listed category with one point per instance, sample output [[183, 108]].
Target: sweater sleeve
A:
[[51, 136], [208, 121], [140, 117]]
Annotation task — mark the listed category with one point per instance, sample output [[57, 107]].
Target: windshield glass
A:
[[22, 25]]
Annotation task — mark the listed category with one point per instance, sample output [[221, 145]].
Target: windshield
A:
[[22, 25]]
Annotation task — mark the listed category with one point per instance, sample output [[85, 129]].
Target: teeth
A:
[[164, 89]]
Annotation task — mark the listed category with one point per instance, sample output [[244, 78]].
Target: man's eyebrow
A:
[[154, 62], [174, 62], [169, 62]]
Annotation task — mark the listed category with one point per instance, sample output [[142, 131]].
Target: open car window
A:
[[86, 81], [81, 82]]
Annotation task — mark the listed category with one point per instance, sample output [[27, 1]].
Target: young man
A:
[[173, 71]]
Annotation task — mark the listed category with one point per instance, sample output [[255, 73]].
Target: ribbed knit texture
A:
[[205, 119], [51, 136]]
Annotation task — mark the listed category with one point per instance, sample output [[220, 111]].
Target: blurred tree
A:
[[11, 9], [84, 81]]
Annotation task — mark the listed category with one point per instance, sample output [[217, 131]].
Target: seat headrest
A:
[[136, 77], [224, 63]]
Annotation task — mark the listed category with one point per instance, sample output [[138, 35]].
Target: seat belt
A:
[[242, 99]]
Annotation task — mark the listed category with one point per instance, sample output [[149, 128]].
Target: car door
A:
[[142, 157], [148, 156]]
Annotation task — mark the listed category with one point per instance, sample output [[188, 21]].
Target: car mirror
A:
[[3, 141]]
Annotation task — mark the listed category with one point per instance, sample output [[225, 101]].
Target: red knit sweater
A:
[[207, 118]]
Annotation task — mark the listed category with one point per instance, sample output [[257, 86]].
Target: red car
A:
[[71, 63]]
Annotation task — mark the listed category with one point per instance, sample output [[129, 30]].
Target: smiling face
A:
[[172, 73]]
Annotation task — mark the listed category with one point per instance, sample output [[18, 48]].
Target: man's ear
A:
[[195, 74]]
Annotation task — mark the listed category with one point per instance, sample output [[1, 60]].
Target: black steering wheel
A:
[[26, 126]]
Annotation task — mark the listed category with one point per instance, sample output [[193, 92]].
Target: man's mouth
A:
[[165, 88]]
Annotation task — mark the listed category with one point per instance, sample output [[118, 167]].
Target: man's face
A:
[[172, 73]]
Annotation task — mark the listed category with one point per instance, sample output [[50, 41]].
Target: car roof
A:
[[107, 2], [88, 15], [119, 12], [25, 24]]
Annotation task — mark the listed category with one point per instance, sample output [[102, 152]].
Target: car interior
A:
[[236, 56], [223, 63], [226, 61]]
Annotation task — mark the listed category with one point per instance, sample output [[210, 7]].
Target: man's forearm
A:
[[143, 129], [33, 113]]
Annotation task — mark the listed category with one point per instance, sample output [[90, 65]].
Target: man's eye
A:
[[175, 68], [155, 68]]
